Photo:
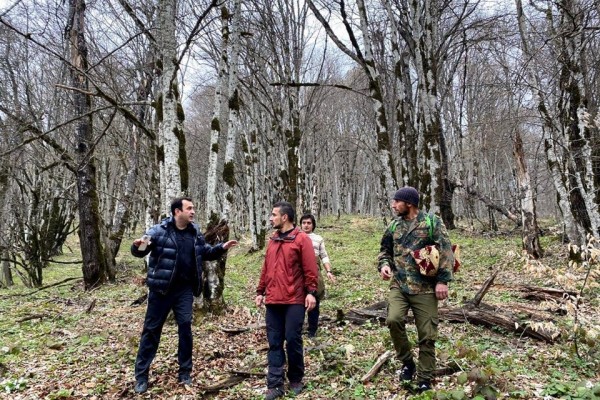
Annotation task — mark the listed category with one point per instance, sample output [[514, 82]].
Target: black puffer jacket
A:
[[163, 256]]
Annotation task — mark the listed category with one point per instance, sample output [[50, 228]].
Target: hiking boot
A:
[[140, 387], [186, 380], [274, 393], [408, 371], [296, 387], [423, 386]]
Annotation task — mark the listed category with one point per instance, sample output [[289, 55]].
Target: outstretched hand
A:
[[230, 244]]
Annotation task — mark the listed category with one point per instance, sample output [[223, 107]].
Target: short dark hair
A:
[[177, 203], [312, 219], [286, 208]]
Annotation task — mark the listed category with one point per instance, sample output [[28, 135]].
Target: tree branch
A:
[[313, 84]]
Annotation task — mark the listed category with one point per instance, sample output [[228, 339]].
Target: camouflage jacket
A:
[[402, 237]]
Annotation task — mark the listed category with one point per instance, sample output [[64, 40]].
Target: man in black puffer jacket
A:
[[176, 249]]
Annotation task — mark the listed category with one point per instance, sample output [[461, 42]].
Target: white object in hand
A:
[[145, 242]]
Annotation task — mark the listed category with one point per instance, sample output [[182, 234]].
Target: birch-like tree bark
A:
[[530, 235], [214, 271], [174, 167], [364, 57], [567, 124], [217, 125], [233, 106]]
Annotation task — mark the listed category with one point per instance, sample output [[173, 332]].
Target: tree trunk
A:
[[407, 135], [233, 105], [530, 237], [123, 209], [174, 167], [5, 171], [220, 114], [213, 282], [490, 203], [7, 278], [95, 269], [567, 126], [425, 23], [387, 172]]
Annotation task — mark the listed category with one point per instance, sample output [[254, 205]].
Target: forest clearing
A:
[[111, 109], [66, 343]]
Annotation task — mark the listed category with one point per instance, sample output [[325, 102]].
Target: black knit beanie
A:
[[407, 194]]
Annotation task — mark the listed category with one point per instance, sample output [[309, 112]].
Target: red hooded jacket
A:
[[289, 271]]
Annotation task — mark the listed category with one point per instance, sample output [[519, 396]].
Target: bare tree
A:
[[95, 267], [564, 110], [363, 56]]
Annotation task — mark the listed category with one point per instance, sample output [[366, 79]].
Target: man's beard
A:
[[402, 214]]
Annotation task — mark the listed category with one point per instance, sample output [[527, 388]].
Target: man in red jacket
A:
[[288, 288]]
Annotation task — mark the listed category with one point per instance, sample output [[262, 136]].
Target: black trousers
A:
[[284, 322], [180, 301]]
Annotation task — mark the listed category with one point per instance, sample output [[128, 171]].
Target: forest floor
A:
[[65, 343]]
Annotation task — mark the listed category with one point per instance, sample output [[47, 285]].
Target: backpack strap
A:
[[392, 227], [430, 221]]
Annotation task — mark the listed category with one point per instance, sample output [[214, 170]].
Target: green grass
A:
[[66, 352]]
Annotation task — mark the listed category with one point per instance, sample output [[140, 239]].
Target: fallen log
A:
[[484, 289], [364, 315], [382, 359], [473, 312], [241, 329], [491, 319], [33, 316], [45, 287], [377, 366], [233, 379], [545, 294], [551, 291], [140, 300], [248, 374], [226, 383]]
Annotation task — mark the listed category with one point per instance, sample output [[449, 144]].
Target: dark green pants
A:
[[425, 309]]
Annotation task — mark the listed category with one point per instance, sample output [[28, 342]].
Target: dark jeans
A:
[[284, 322], [313, 319], [180, 301]]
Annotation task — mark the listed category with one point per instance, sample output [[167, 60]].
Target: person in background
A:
[[308, 224], [409, 289], [177, 248], [287, 287]]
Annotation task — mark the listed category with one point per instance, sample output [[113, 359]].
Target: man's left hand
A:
[[310, 302], [441, 291]]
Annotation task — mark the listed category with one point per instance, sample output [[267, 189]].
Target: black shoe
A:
[[140, 387], [274, 393], [296, 387], [408, 371], [186, 380], [423, 386]]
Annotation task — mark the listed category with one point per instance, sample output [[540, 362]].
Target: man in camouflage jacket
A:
[[409, 289]]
